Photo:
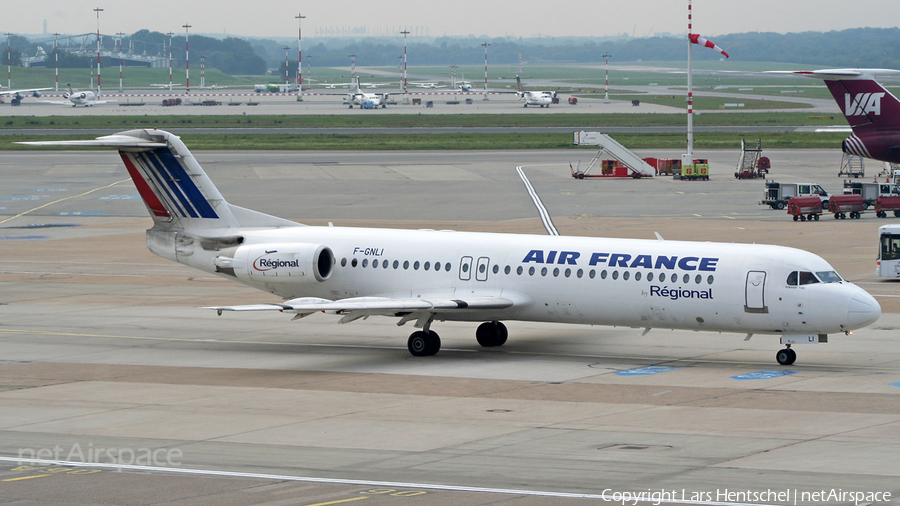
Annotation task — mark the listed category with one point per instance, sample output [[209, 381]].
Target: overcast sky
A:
[[494, 18]]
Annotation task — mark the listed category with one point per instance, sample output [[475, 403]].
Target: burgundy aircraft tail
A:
[[872, 111]]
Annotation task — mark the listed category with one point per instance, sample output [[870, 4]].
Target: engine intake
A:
[[280, 263]]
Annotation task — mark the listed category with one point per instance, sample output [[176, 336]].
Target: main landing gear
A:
[[424, 343], [786, 356]]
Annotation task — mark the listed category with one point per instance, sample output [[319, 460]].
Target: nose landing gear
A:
[[786, 356]]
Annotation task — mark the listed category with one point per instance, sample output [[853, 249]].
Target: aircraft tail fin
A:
[[177, 192], [866, 104], [519, 85]]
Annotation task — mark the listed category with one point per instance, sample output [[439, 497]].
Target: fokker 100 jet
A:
[[86, 98], [425, 276]]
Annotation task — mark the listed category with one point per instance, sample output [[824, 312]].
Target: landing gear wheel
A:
[[423, 344], [786, 356], [490, 334]]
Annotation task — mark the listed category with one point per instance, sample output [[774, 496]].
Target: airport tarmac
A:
[[105, 355]]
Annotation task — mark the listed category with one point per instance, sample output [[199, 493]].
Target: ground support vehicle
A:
[[885, 204], [698, 171], [751, 164], [870, 191], [844, 205], [805, 208], [777, 194], [888, 264]]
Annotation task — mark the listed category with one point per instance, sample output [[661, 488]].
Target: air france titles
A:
[[628, 261], [624, 260]]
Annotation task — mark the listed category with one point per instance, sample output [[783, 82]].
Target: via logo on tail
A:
[[871, 110]]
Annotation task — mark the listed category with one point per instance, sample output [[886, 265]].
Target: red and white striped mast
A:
[[187, 61], [689, 156], [56, 56], [486, 45], [300, 18], [405, 92], [98, 10], [170, 59]]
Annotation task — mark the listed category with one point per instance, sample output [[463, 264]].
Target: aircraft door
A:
[[481, 273], [754, 293], [465, 268]]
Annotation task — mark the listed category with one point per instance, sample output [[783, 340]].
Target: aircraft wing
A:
[[4, 93], [359, 307]]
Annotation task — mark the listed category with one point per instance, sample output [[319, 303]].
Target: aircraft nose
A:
[[864, 309]]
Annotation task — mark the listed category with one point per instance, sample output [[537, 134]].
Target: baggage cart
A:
[[805, 208]]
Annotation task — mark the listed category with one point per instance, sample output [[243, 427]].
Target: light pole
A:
[[405, 93], [486, 45], [56, 56], [689, 156], [287, 77], [300, 19], [98, 10], [187, 60], [120, 34], [606, 92], [170, 59], [352, 69], [202, 71], [9, 60]]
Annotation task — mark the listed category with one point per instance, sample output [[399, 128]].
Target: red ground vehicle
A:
[[885, 204], [842, 205], [573, 100], [805, 208]]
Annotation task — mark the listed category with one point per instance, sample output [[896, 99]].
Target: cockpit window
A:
[[829, 276], [807, 278]]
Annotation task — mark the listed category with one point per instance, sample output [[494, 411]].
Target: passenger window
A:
[[625, 275], [406, 264], [384, 264], [496, 268], [506, 270], [343, 262], [710, 279], [603, 274], [698, 278], [427, 266], [353, 263], [416, 265], [615, 275], [637, 276], [592, 274], [580, 273], [365, 262], [519, 270], [649, 276], [531, 271], [568, 272], [556, 272], [544, 271], [686, 279], [396, 264]]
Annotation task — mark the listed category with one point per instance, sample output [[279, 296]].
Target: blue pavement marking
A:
[[24, 197], [120, 197], [10, 238], [644, 371], [80, 213], [895, 384], [762, 375]]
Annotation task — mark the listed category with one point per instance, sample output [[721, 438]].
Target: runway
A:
[[103, 346]]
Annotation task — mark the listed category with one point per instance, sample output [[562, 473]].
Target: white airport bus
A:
[[888, 251]]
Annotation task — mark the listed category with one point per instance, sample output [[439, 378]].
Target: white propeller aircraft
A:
[[541, 98], [86, 98], [20, 94], [365, 100], [427, 276]]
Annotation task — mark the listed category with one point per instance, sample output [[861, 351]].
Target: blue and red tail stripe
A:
[[168, 187]]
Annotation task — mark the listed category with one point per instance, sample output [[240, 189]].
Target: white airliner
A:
[[541, 98], [426, 276], [20, 94], [86, 98], [365, 100]]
